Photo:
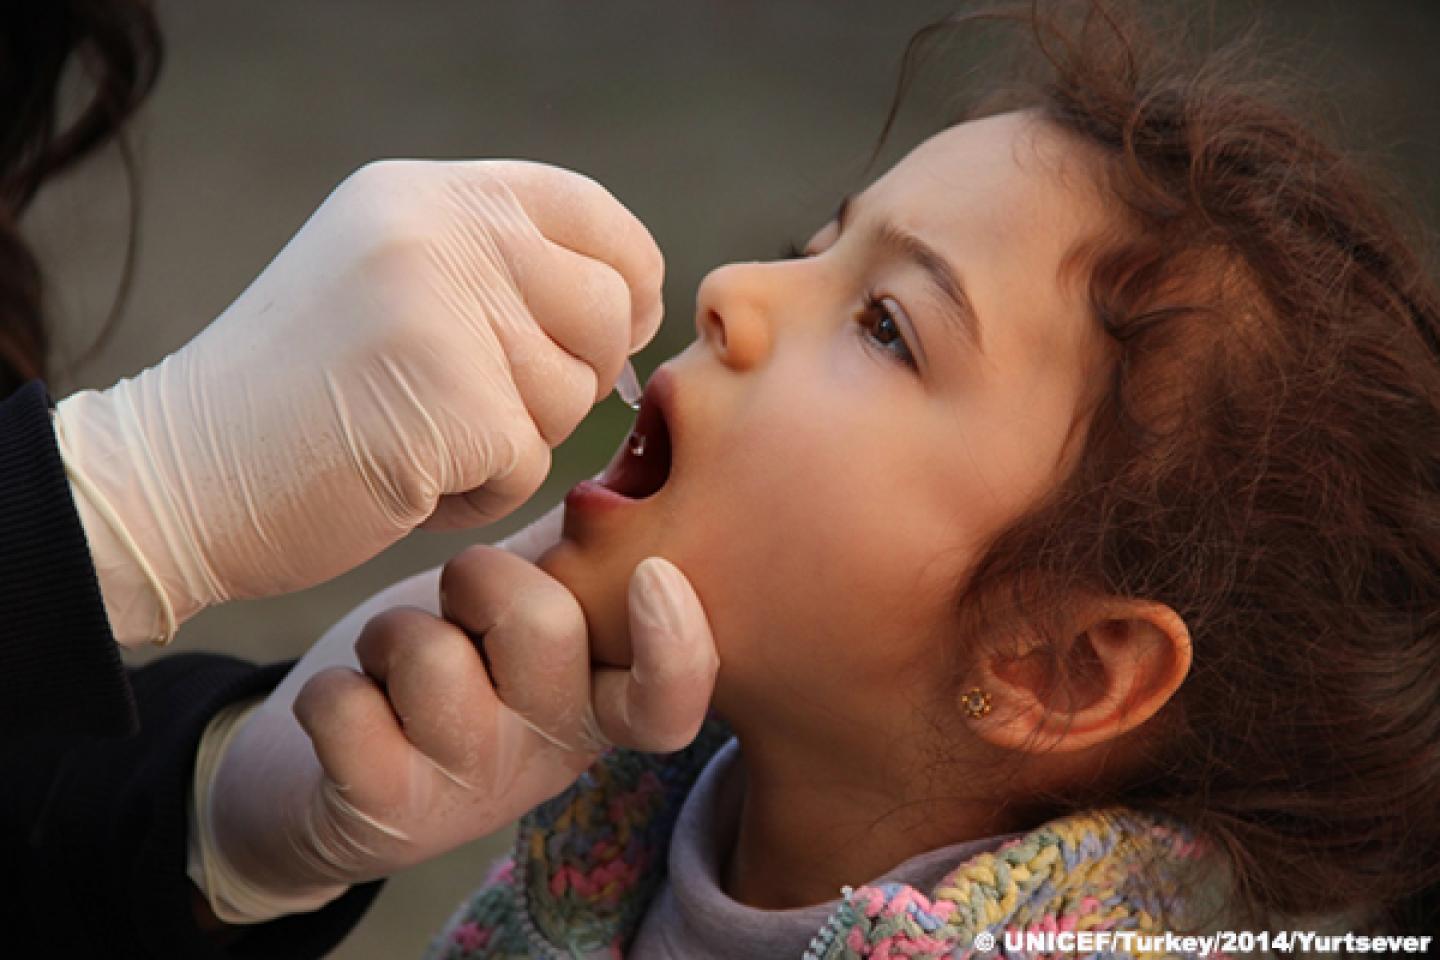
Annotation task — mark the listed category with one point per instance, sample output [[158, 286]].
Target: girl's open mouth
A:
[[643, 466]]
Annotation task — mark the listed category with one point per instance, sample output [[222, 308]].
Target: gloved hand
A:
[[411, 356], [347, 773]]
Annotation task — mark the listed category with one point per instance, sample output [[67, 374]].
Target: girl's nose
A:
[[732, 312]]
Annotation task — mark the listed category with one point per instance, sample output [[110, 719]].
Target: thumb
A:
[[659, 703]]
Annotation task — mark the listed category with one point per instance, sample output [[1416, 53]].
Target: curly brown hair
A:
[[1265, 459]]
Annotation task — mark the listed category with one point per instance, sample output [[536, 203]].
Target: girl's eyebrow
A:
[[961, 319]]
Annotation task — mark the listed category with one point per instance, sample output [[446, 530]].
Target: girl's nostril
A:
[[718, 326]]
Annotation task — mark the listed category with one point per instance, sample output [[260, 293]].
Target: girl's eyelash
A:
[[792, 251]]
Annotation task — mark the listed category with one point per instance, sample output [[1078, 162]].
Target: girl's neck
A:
[[813, 821]]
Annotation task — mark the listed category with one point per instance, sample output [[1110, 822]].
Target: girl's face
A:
[[851, 427]]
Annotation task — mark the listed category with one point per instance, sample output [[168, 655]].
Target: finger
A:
[[336, 647], [660, 703], [520, 458], [356, 737], [435, 682], [579, 214], [534, 636], [581, 311]]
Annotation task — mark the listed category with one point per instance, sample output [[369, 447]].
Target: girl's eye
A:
[[879, 326], [877, 315]]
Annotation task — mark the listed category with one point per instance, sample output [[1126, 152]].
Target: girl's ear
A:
[[1124, 664]]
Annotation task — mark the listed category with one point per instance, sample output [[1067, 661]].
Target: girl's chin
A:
[[601, 595]]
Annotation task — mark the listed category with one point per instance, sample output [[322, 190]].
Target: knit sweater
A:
[[587, 863]]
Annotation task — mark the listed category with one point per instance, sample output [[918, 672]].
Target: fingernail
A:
[[655, 594]]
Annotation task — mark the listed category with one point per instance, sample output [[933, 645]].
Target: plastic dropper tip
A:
[[628, 386]]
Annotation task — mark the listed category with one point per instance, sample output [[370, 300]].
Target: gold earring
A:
[[976, 703]]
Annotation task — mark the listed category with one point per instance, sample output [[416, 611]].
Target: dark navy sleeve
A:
[[59, 669], [93, 833], [95, 763]]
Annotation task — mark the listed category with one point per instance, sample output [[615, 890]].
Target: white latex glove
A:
[[411, 356], [350, 772]]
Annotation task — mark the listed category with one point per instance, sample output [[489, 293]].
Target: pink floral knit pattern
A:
[[588, 863]]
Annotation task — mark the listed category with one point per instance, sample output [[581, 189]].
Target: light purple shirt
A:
[[693, 918]]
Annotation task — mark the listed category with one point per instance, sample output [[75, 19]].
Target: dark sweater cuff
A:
[[56, 638]]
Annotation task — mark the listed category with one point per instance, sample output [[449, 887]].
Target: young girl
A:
[[1068, 517]]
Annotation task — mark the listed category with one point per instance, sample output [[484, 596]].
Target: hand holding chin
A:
[[532, 633]]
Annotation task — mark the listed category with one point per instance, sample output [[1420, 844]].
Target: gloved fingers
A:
[[579, 214], [357, 738], [436, 685], [581, 311], [519, 470], [659, 704], [336, 647], [534, 637]]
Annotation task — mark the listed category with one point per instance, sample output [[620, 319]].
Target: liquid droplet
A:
[[637, 444]]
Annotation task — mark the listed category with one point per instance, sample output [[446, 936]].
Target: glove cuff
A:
[[136, 603], [233, 898]]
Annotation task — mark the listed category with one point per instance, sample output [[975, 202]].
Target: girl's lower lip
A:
[[587, 496]]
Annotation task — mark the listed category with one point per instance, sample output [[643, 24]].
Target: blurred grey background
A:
[[729, 128]]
